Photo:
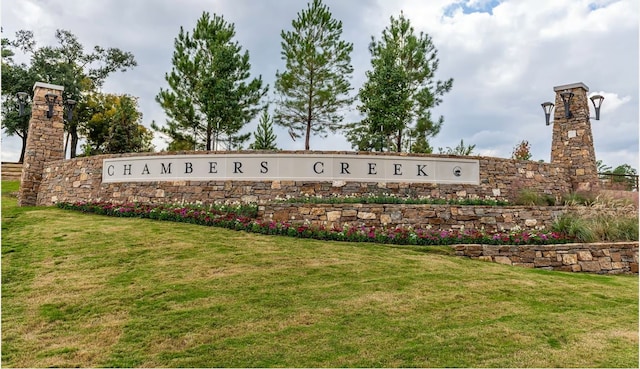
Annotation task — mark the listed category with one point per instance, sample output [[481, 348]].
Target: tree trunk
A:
[[399, 141], [74, 141], [66, 145], [24, 147], [309, 106], [209, 134], [306, 141]]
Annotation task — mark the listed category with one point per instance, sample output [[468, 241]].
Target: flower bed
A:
[[243, 218]]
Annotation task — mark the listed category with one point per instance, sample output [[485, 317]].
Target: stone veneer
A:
[[80, 179], [489, 218], [44, 142], [572, 141], [602, 258]]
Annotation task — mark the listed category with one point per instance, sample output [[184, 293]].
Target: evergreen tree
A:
[[399, 92], [209, 95], [265, 139], [460, 150], [315, 84]]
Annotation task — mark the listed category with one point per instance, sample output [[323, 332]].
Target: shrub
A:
[[628, 229], [574, 227], [609, 228]]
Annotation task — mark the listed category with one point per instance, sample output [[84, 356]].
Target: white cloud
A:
[[610, 103], [504, 61]]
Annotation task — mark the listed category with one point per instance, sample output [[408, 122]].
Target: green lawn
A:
[[90, 291]]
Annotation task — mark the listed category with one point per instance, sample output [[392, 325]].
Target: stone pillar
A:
[[572, 142], [45, 141]]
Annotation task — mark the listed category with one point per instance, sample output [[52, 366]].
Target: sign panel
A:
[[291, 167]]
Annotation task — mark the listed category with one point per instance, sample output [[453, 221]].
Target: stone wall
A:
[[45, 142], [572, 140], [602, 258], [80, 179], [489, 218]]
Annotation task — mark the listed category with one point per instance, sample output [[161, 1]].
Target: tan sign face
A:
[[291, 167]]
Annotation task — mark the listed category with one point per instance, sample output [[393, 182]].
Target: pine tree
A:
[[265, 139], [460, 150], [209, 92], [399, 92], [315, 85]]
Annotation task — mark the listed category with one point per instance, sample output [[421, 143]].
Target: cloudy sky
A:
[[505, 58]]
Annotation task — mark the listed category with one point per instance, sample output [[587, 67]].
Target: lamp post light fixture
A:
[[566, 96], [51, 100], [22, 100], [548, 108], [70, 104], [597, 105]]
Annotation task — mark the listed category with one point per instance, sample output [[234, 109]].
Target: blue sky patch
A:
[[482, 6]]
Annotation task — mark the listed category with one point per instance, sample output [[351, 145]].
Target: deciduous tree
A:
[[315, 85], [126, 134], [626, 174], [113, 125], [67, 64], [15, 78], [522, 151]]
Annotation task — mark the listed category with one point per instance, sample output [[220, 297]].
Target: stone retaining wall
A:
[[80, 179], [601, 258], [491, 218]]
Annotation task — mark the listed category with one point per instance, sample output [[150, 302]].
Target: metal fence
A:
[[625, 182]]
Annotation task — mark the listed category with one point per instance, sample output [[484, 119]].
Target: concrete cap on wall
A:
[[48, 86], [571, 86]]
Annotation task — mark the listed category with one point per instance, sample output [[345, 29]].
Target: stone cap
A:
[[48, 86], [571, 86]]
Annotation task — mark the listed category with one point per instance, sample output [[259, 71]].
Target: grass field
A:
[[91, 291]]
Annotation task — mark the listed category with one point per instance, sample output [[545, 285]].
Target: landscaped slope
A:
[[87, 290]]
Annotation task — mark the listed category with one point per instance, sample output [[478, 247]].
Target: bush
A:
[[574, 227], [609, 228]]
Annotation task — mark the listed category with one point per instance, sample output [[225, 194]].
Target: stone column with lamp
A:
[[572, 141], [45, 141]]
